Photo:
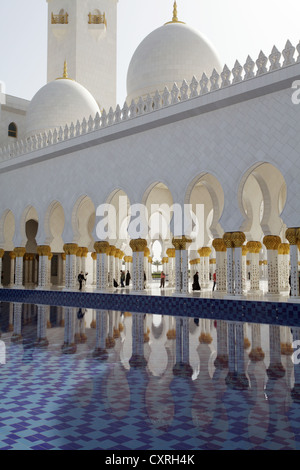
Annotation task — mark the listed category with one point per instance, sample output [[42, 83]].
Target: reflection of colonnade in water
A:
[[171, 370]]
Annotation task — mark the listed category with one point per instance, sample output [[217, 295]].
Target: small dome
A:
[[58, 103], [172, 53]]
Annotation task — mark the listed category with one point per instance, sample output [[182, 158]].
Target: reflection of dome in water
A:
[[169, 54], [58, 103]]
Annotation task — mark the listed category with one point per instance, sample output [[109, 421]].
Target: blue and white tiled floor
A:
[[52, 400]]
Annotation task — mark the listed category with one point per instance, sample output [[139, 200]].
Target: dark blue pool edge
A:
[[281, 313]]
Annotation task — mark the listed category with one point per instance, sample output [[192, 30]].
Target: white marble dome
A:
[[58, 103], [169, 54]]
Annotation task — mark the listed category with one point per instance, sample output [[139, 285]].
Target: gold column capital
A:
[[228, 240], [138, 244], [171, 252], [292, 235], [244, 250], [43, 250], [79, 251], [111, 250], [102, 247], [20, 251], [284, 249], [204, 251], [271, 242], [1, 253], [219, 244], [84, 251], [180, 243], [254, 246], [146, 252], [238, 239], [70, 248]]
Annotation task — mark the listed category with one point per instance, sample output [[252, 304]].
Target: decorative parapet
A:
[[60, 19], [262, 66]]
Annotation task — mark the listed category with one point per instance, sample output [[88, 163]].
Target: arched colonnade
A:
[[54, 245]]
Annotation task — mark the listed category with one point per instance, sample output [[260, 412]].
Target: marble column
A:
[[44, 252], [165, 262], [84, 253], [49, 283], [293, 237], [230, 268], [254, 248], [111, 265], [181, 264], [234, 242], [272, 243], [212, 267], [244, 267], [128, 265], [70, 250], [192, 268], [101, 248], [200, 268], [149, 264], [138, 247], [171, 264], [1, 256], [94, 258], [78, 261], [221, 264], [204, 253], [117, 273], [283, 267], [20, 252], [146, 270], [30, 269], [238, 239], [25, 268], [12, 256], [62, 269]]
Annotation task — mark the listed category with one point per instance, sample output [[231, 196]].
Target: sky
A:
[[235, 28]]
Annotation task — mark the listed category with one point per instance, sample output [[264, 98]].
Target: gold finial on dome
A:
[[175, 17], [65, 73]]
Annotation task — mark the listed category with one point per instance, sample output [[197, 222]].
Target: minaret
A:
[[84, 33]]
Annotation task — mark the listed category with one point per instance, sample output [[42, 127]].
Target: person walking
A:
[[162, 279], [81, 278], [122, 278], [128, 277], [196, 285], [215, 281]]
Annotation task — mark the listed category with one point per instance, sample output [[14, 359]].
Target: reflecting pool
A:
[[76, 378]]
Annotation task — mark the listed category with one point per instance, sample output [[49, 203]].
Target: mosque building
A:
[[202, 158]]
